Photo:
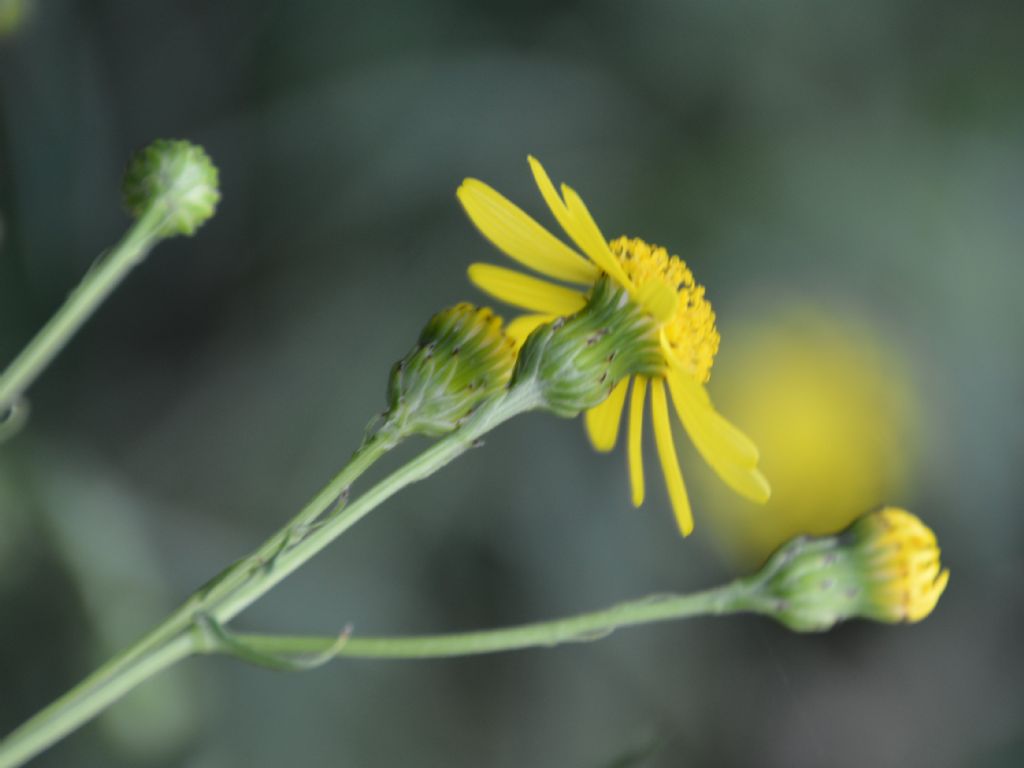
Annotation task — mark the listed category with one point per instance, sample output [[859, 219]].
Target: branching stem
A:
[[241, 584]]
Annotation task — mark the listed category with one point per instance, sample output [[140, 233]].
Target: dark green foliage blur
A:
[[863, 158]]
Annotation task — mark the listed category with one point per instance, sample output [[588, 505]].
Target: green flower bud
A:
[[885, 567], [577, 361], [462, 359], [176, 177]]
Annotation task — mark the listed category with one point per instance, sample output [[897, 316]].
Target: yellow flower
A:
[[884, 567], [662, 286]]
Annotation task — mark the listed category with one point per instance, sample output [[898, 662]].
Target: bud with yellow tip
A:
[[884, 567], [463, 358]]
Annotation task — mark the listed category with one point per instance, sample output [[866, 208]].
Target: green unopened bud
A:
[[577, 361], [463, 358], [885, 567], [176, 178]]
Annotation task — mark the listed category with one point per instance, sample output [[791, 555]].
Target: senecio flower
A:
[[463, 357], [662, 287], [884, 567]]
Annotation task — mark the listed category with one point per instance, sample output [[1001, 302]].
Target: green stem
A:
[[584, 627], [517, 400], [82, 703], [241, 584], [97, 284]]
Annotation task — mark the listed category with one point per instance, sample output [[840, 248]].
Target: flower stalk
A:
[[809, 585], [731, 598], [318, 524], [171, 189], [99, 282]]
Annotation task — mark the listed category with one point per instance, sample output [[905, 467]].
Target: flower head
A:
[[884, 567], [176, 177], [680, 328], [463, 357]]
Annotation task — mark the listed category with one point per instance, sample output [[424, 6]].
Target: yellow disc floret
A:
[[690, 333]]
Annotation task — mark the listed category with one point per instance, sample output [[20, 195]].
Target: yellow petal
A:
[[547, 191], [659, 299], [925, 602], [520, 237], [603, 420], [578, 224], [668, 458], [689, 394], [635, 439], [720, 448], [524, 325], [524, 291], [588, 237]]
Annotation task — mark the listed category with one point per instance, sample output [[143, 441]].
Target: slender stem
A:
[[515, 401], [69, 710], [85, 701], [584, 627], [97, 284], [241, 584]]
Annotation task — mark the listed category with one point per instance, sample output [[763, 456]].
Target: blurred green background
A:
[[846, 178]]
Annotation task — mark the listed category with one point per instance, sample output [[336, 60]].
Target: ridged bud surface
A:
[[463, 358], [577, 361], [885, 567], [177, 177]]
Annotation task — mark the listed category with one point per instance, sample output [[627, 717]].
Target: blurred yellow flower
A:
[[662, 286], [831, 407], [13, 14]]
